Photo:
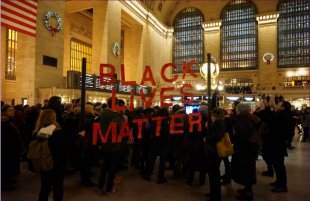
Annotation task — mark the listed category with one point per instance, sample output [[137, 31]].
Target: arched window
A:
[[188, 39], [293, 33], [239, 36]]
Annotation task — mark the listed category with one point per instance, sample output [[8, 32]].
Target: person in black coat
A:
[[217, 131], [47, 126], [159, 147], [266, 116], [87, 150], [196, 155], [279, 133], [243, 162], [11, 148]]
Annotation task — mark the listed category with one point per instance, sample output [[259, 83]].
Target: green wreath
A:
[[49, 26]]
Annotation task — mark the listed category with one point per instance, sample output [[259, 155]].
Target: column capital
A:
[[267, 18], [212, 25]]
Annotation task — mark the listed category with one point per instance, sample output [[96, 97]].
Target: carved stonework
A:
[[81, 30]]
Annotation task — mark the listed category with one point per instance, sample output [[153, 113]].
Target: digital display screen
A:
[[146, 90], [104, 87], [189, 108], [89, 81], [125, 88]]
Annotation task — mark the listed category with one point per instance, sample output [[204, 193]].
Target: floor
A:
[[133, 187]]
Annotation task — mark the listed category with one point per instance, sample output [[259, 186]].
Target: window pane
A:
[[239, 36], [80, 50], [293, 33], [11, 46], [188, 39]]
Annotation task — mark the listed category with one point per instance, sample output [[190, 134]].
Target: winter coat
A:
[[217, 131], [243, 164], [11, 147], [107, 117], [280, 130], [57, 145]]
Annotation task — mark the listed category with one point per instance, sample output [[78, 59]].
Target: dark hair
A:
[[175, 108], [286, 105], [110, 102], [5, 108], [121, 102], [163, 112], [104, 105], [54, 103], [218, 113]]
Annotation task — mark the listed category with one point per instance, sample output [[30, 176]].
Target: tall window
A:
[[239, 36], [78, 51], [188, 39], [293, 33], [11, 47]]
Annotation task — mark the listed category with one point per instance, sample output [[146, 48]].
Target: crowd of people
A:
[[266, 131]]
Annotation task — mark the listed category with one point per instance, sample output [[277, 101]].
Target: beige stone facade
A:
[[147, 41]]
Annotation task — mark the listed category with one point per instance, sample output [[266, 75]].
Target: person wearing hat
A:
[[243, 162]]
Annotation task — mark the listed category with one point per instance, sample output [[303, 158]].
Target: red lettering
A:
[[115, 107], [158, 124], [194, 118], [97, 130], [173, 124], [162, 73], [150, 77], [140, 124], [147, 103], [123, 82], [125, 131], [163, 97], [110, 74], [187, 93], [187, 69]]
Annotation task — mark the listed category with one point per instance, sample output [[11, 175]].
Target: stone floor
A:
[[133, 187]]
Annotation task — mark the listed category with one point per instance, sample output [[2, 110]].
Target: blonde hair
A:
[[89, 109], [47, 117]]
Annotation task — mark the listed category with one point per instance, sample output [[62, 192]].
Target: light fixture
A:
[[214, 71]]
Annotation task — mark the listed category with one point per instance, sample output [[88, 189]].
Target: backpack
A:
[[40, 155]]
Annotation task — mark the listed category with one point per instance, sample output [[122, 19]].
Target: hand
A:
[[206, 124], [82, 133]]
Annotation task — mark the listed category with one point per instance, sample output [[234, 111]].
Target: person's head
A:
[[8, 110], [77, 110], [47, 117], [104, 106], [175, 108], [54, 103], [164, 112], [217, 114], [284, 106], [148, 112], [235, 104], [110, 101], [264, 104], [98, 110], [89, 109], [243, 108], [68, 107]]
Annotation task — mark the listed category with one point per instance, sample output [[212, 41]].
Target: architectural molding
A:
[[212, 26], [148, 17], [81, 30], [267, 18]]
